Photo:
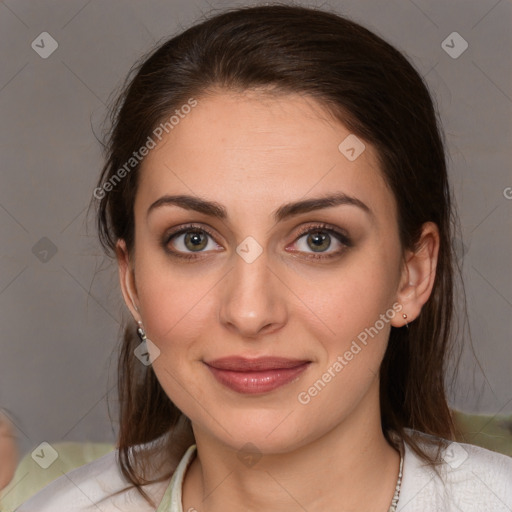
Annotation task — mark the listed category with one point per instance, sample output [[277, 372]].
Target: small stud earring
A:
[[404, 316]]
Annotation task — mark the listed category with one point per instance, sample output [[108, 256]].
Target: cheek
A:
[[355, 308], [175, 306], [345, 301], [175, 301], [353, 349]]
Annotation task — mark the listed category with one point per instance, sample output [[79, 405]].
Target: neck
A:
[[351, 467]]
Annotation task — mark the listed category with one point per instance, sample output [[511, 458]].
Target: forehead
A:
[[252, 150]]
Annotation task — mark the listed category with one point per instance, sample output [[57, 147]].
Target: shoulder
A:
[[91, 488], [468, 478]]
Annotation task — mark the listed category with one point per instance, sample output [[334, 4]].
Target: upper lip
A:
[[240, 364]]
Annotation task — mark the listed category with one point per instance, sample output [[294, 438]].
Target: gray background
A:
[[60, 313]]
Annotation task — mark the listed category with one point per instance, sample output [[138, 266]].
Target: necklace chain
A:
[[396, 496]]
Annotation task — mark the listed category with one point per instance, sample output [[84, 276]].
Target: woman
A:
[[276, 196]]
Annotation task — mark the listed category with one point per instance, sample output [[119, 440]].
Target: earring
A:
[[141, 333], [404, 316]]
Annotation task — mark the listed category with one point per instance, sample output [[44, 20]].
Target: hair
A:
[[367, 85]]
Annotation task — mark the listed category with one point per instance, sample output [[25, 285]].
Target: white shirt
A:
[[471, 479]]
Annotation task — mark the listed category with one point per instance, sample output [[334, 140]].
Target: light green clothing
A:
[[172, 500]]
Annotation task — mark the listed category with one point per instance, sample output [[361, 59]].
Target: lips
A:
[[241, 364], [259, 375]]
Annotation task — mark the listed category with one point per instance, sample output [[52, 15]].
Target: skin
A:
[[8, 451], [252, 153]]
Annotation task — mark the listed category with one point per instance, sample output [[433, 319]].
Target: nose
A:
[[254, 298]]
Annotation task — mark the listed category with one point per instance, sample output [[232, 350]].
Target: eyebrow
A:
[[214, 209]]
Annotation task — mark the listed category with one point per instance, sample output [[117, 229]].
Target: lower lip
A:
[[257, 382]]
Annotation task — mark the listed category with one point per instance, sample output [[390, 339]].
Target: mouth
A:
[[254, 376]]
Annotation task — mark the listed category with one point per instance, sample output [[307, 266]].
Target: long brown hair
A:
[[372, 89]]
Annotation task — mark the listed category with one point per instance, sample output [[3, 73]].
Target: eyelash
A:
[[326, 228]]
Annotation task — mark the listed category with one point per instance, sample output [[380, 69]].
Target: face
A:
[[299, 299]]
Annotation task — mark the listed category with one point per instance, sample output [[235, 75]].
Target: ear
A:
[[127, 279], [418, 275]]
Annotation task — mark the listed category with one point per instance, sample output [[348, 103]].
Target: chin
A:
[[265, 431]]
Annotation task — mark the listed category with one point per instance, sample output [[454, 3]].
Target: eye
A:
[[319, 239], [188, 240]]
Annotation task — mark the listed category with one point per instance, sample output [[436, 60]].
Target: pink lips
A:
[[258, 375]]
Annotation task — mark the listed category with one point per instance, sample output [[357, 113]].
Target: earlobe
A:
[[418, 275], [127, 279]]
